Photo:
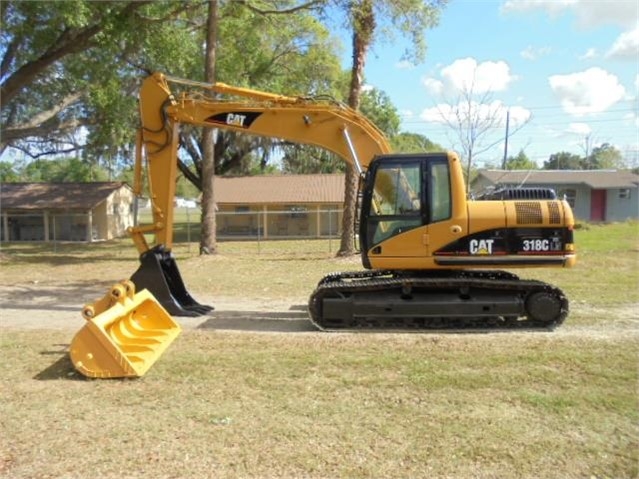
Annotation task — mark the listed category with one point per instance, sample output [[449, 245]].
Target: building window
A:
[[570, 195], [242, 209], [624, 194], [297, 211]]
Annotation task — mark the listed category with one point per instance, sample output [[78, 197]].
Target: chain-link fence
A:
[[49, 227], [295, 223], [258, 225]]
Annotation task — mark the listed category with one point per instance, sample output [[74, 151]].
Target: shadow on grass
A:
[[55, 259], [62, 368], [66, 297], [295, 320]]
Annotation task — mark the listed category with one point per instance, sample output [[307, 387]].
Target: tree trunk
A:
[[363, 28], [208, 243]]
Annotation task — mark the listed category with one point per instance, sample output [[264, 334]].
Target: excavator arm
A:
[[314, 121], [320, 122]]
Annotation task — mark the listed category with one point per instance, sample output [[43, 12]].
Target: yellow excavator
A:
[[433, 259]]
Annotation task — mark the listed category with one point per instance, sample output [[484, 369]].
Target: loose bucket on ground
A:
[[125, 333]]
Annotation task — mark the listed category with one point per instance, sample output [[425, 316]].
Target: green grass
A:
[[247, 404], [321, 405]]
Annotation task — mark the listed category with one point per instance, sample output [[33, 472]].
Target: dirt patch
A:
[[47, 306]]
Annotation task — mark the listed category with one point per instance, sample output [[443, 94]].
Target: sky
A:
[[567, 70]]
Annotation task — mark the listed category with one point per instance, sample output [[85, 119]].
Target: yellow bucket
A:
[[125, 333]]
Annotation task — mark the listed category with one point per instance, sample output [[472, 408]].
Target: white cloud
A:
[[465, 74], [589, 55], [581, 129], [552, 7], [590, 91], [494, 112], [404, 65], [406, 114], [592, 14], [519, 115], [532, 53], [626, 47], [589, 13], [632, 118], [434, 87]]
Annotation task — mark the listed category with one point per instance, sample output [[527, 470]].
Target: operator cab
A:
[[401, 193]]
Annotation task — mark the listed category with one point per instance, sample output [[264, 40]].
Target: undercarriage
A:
[[435, 300]]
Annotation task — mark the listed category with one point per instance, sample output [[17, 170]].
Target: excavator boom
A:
[[320, 122]]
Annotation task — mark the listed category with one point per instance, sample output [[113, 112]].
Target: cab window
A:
[[439, 192], [396, 202]]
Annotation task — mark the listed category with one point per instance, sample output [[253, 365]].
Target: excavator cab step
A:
[[125, 333]]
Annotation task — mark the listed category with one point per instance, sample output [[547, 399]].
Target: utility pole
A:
[[503, 163]]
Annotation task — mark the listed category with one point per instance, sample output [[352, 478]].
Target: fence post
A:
[[188, 229], [330, 231], [259, 233], [55, 237]]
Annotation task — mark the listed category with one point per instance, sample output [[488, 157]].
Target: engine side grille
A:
[[519, 194], [528, 212], [553, 213]]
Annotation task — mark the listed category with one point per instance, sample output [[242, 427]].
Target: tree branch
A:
[[45, 122], [52, 151], [304, 6], [69, 41]]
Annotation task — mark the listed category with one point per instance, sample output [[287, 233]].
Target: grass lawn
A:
[[247, 404]]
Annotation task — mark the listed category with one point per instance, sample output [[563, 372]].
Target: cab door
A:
[[407, 211], [392, 211], [447, 218]]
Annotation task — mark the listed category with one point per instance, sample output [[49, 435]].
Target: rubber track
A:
[[493, 281]]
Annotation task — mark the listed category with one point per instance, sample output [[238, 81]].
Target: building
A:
[[65, 211], [279, 205], [595, 195]]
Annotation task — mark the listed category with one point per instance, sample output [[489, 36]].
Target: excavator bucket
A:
[[159, 273], [125, 333]]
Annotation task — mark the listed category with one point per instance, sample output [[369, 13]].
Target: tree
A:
[[409, 17], [563, 161], [304, 159], [64, 70], [207, 240], [406, 142], [520, 162], [279, 50], [473, 116], [377, 106], [59, 170], [604, 156], [8, 173]]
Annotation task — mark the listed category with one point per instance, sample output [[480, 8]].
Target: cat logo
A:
[[483, 246], [241, 119], [235, 119]]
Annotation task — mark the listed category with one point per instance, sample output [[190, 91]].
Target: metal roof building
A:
[[64, 211]]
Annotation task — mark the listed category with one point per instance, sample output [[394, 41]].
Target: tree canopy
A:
[[604, 156], [520, 162], [69, 75]]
